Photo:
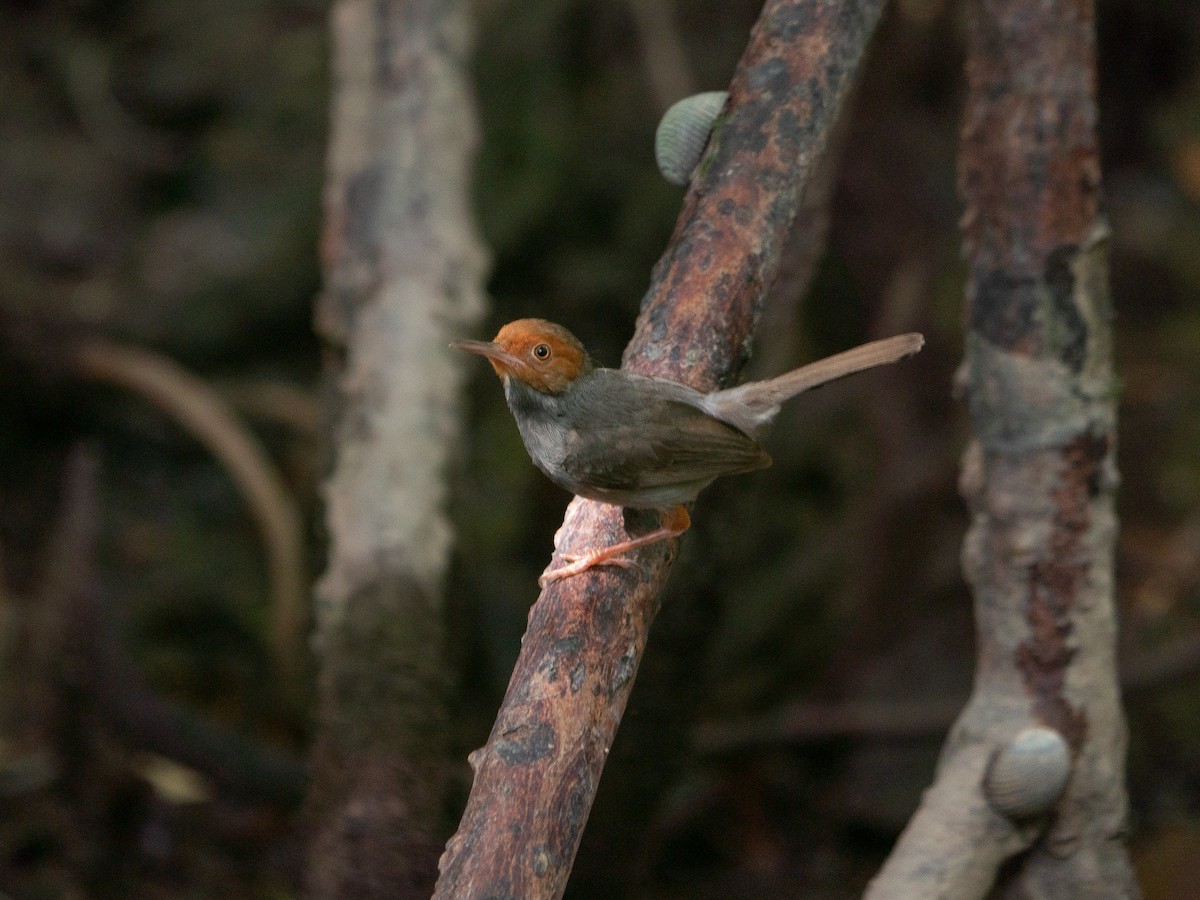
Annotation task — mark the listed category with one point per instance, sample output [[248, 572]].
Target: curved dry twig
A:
[[191, 403]]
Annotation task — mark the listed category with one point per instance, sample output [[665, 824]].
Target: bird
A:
[[639, 441]]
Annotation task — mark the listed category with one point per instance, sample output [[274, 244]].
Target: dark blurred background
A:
[[160, 179]]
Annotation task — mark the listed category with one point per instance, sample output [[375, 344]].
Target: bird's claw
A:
[[581, 562]]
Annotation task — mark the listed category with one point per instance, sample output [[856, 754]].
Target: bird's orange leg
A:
[[672, 523]]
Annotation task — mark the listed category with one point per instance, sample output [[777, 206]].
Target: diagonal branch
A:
[[536, 777]]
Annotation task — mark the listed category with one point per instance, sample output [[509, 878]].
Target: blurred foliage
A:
[[160, 180]]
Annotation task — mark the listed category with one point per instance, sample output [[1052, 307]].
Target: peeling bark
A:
[[403, 273], [536, 777], [1039, 476]]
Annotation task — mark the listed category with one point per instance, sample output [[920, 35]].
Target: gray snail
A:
[[1026, 777], [683, 134]]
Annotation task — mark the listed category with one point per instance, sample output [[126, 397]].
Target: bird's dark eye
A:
[[542, 352]]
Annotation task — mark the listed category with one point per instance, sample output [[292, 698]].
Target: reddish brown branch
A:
[[536, 777]]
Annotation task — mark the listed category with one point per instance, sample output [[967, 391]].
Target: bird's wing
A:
[[662, 443]]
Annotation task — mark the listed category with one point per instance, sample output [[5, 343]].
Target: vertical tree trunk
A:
[[403, 271], [1038, 477]]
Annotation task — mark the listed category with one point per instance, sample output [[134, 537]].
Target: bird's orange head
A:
[[540, 354]]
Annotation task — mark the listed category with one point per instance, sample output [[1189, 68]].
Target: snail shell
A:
[[683, 134], [1026, 777]]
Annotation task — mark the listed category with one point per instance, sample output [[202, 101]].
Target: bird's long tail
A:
[[753, 405], [866, 356]]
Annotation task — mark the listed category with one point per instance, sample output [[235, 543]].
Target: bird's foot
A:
[[674, 522], [581, 562]]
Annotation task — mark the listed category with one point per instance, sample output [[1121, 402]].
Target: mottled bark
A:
[[403, 269], [536, 777], [1038, 477]]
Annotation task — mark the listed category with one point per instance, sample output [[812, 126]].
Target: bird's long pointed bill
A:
[[502, 361], [865, 356]]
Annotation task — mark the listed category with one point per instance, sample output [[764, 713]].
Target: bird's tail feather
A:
[[866, 356], [758, 401]]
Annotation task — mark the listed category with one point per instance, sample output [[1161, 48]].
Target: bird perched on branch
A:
[[638, 441]]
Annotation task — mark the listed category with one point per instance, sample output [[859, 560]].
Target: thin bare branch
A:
[[813, 722]]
